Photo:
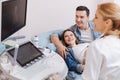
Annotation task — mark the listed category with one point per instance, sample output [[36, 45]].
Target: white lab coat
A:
[[103, 59]]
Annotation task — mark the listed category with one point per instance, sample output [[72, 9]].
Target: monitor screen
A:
[[27, 52], [13, 17]]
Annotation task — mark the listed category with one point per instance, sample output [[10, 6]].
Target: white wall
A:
[[102, 1], [117, 1], [47, 15]]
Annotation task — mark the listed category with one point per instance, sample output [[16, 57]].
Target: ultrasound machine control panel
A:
[[41, 68]]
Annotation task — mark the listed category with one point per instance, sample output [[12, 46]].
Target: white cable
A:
[[15, 55]]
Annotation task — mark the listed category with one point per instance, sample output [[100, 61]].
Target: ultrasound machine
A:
[[26, 61], [31, 63]]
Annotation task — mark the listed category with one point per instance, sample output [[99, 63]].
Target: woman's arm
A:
[[73, 64]]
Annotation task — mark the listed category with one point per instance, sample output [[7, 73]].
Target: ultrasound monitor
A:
[[27, 52], [13, 17]]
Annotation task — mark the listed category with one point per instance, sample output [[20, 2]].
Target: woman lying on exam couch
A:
[[75, 57]]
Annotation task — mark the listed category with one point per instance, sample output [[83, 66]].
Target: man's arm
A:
[[60, 47]]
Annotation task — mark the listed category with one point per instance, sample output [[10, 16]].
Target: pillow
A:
[[44, 39], [2, 48]]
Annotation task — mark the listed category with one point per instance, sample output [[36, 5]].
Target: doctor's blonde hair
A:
[[111, 11]]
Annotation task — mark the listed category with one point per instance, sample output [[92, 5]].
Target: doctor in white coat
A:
[[103, 54]]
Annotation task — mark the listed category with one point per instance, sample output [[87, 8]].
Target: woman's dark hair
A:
[[83, 8], [63, 40]]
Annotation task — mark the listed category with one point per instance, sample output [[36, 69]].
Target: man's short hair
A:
[[83, 8]]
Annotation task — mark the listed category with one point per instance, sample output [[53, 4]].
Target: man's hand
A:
[[83, 66], [62, 50], [60, 47]]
